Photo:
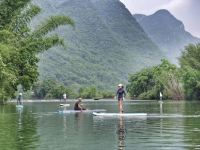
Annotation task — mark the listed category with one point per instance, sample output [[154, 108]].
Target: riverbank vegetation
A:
[[50, 89], [148, 83], [174, 82], [190, 70], [19, 45]]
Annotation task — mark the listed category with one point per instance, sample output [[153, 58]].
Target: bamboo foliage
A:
[[51, 24], [19, 24], [9, 9]]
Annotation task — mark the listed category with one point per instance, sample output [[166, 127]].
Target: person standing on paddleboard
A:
[[65, 97], [120, 97], [19, 99]]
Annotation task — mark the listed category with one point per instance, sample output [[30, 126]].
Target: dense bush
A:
[[190, 66], [50, 89], [148, 83]]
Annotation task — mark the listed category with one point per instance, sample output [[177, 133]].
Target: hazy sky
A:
[[188, 11]]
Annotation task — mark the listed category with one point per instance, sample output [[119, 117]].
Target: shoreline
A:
[[73, 100]]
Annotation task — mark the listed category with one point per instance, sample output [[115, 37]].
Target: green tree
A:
[[170, 78], [19, 45], [51, 89], [88, 92], [54, 90], [42, 88], [164, 78], [7, 79], [190, 66]]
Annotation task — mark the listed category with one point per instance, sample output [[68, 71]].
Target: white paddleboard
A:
[[19, 106], [64, 105], [83, 111], [120, 114]]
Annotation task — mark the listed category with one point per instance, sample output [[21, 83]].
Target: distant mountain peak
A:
[[163, 12], [162, 18], [166, 31], [139, 17], [166, 17]]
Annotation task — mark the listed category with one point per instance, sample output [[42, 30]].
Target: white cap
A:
[[20, 93]]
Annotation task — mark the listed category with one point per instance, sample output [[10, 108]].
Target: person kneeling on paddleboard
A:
[[120, 97], [78, 106]]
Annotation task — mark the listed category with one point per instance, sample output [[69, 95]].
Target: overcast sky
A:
[[188, 11]]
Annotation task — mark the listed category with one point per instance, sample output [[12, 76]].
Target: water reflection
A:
[[79, 117], [26, 135], [161, 107], [191, 126], [121, 132], [18, 129], [64, 122], [161, 120]]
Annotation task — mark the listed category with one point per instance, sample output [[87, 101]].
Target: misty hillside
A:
[[105, 45], [167, 32]]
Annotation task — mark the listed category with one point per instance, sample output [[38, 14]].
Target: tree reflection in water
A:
[[18, 131], [26, 135]]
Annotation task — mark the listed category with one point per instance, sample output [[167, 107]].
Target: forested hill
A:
[[167, 32], [105, 45]]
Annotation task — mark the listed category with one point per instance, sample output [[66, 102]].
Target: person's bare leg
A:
[[122, 110], [120, 105]]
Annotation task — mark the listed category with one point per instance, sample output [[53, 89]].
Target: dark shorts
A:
[[120, 99], [79, 109]]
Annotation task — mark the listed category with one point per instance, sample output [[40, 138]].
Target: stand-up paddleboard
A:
[[120, 114], [64, 105], [19, 106], [172, 116], [83, 111], [144, 115]]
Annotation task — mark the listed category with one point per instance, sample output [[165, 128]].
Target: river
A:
[[39, 126]]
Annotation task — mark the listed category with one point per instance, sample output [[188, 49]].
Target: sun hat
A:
[[120, 85]]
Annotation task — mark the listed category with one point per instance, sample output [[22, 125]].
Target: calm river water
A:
[[40, 127]]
